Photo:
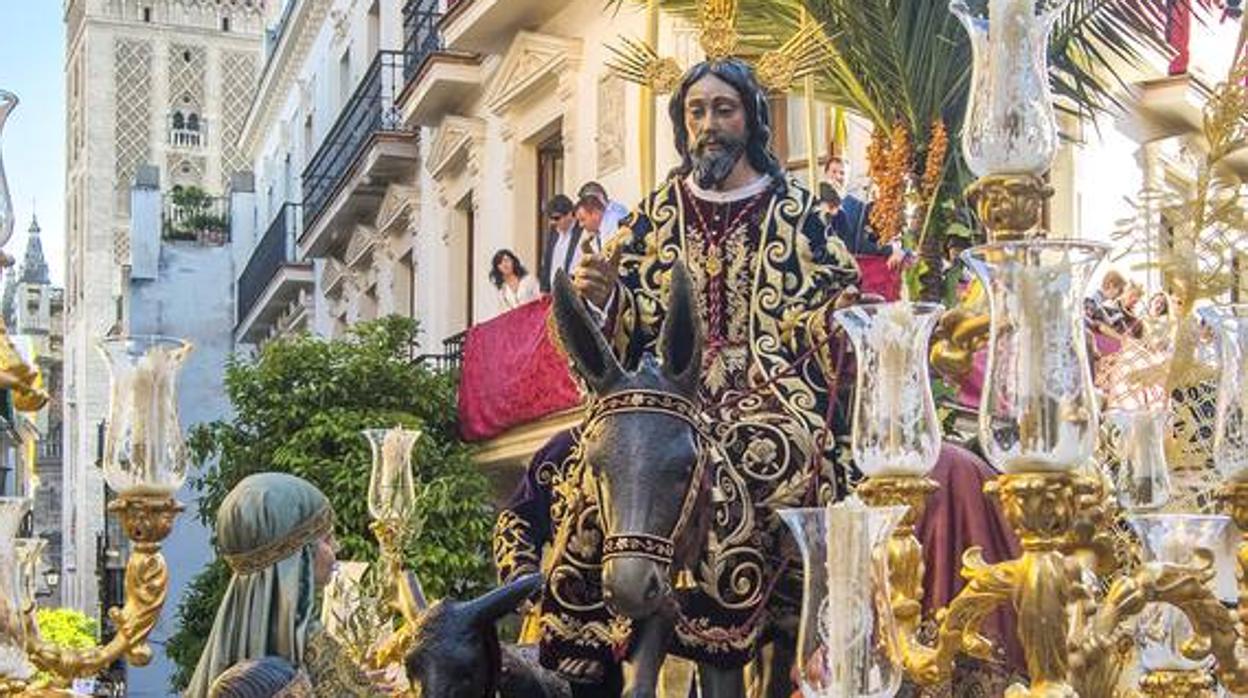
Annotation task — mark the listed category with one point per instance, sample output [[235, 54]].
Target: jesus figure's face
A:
[[716, 122]]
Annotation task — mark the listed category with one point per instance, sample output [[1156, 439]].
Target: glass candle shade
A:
[[1173, 538], [1230, 431], [29, 557], [144, 449], [848, 644], [13, 661], [391, 489], [1038, 411], [896, 431], [1010, 126], [1142, 480]]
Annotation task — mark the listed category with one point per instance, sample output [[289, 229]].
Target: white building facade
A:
[[334, 172]]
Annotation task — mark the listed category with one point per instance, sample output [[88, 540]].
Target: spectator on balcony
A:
[[560, 250], [516, 286], [591, 213], [612, 211]]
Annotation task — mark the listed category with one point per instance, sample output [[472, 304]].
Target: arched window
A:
[[178, 121], [192, 122]]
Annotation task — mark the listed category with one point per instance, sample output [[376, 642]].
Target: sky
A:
[[32, 145]]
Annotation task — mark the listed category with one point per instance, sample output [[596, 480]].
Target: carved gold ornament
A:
[[777, 70], [146, 521]]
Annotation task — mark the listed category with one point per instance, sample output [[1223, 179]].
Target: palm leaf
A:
[[909, 61]]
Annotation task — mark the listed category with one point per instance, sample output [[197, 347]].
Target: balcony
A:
[[515, 388], [187, 132], [483, 26], [367, 148], [439, 81], [190, 215], [1174, 106], [272, 278], [451, 358]]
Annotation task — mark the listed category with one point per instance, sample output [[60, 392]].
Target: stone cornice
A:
[[282, 67], [455, 137], [531, 59]]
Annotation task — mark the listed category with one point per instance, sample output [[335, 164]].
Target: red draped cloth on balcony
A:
[[877, 278], [512, 373]]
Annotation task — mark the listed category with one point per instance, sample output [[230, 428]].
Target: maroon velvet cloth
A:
[[512, 373], [877, 278], [960, 516]]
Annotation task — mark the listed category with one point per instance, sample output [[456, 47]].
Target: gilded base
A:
[[1009, 206], [1177, 684], [146, 521], [895, 491], [905, 553]]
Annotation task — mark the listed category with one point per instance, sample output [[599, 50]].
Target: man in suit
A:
[[846, 216], [560, 250]]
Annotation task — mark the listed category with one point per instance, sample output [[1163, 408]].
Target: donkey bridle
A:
[[658, 548]]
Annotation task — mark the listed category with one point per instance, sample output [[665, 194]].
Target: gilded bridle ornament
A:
[[661, 549]]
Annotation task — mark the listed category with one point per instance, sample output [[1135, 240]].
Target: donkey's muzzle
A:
[[635, 587]]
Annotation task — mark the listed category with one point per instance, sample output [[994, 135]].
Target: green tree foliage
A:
[[67, 628], [198, 217], [299, 408]]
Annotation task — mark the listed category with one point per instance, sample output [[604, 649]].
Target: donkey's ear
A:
[[680, 343], [492, 605], [581, 337]]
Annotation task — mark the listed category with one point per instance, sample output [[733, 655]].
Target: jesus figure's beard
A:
[[712, 167]]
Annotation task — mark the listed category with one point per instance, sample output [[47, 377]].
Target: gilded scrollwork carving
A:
[[146, 521]]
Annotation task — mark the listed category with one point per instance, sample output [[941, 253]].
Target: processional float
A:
[[1039, 425]]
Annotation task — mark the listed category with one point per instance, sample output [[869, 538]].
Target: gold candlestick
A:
[[146, 520]]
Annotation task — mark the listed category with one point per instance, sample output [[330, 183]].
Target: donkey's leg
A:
[[641, 671], [774, 665], [721, 683]]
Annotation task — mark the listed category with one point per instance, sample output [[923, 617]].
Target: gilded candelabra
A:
[[144, 461], [391, 504], [1039, 425]]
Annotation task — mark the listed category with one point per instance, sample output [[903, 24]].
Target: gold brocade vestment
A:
[[766, 279]]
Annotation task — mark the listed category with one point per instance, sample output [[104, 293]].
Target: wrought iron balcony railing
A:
[[274, 250], [420, 33], [371, 110], [452, 356]]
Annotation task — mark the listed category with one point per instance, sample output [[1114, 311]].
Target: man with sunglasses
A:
[[560, 250]]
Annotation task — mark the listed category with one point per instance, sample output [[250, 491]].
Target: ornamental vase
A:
[[8, 101], [896, 431], [1010, 126], [1173, 538], [391, 489], [144, 449], [1038, 411], [848, 642], [1142, 478], [1230, 430], [13, 662]]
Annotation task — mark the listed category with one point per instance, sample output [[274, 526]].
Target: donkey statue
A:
[[455, 652], [653, 472]]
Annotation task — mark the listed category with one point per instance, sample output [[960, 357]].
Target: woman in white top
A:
[[516, 286]]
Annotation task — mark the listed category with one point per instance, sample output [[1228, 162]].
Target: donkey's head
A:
[[641, 446], [455, 651]]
